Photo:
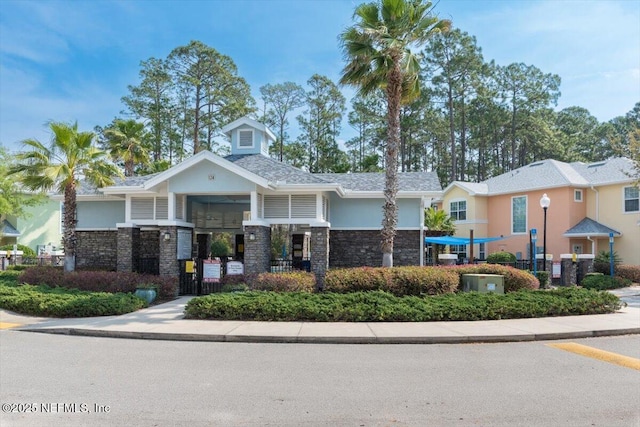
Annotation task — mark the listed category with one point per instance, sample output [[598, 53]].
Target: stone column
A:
[[319, 254], [168, 251], [568, 270], [128, 244], [585, 266], [257, 249]]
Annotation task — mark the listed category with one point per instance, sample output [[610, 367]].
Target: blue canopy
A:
[[450, 240]]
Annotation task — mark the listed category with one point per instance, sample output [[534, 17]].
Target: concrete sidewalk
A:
[[166, 322]]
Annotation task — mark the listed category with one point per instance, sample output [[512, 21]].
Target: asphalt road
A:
[[52, 380]]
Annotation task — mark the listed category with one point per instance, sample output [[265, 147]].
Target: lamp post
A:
[[611, 254], [534, 240], [545, 201]]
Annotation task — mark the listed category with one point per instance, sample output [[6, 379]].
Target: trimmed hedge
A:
[[398, 281], [295, 281], [501, 257], [98, 281], [379, 306], [602, 282], [631, 272], [514, 279], [59, 302]]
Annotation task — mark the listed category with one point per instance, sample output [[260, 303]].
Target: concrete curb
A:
[[283, 339]]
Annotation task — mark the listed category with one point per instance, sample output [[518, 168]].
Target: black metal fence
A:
[[288, 265]]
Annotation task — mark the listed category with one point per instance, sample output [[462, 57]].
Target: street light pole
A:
[[611, 254], [534, 240], [545, 201]]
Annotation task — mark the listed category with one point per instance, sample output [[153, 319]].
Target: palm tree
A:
[[438, 223], [124, 140], [379, 52], [70, 156]]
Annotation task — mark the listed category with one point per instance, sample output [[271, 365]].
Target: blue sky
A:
[[73, 60]]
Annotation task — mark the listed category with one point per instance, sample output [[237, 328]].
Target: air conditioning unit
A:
[[483, 283]]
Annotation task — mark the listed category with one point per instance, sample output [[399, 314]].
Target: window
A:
[[458, 210], [519, 214], [482, 251], [245, 138], [631, 199], [577, 196], [460, 250]]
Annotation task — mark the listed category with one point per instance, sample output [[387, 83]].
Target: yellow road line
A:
[[7, 325], [605, 356]]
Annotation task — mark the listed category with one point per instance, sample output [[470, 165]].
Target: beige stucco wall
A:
[[476, 215], [611, 214]]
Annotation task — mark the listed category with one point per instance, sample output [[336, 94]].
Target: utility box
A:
[[483, 283]]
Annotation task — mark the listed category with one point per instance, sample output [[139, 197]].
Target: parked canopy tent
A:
[[450, 240]]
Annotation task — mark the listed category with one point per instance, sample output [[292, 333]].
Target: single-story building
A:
[[164, 218]]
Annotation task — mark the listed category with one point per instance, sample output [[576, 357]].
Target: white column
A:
[[254, 205], [171, 206]]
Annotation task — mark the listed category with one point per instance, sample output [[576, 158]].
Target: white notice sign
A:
[[235, 268]]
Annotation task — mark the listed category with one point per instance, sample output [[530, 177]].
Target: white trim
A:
[[350, 194], [185, 165], [577, 191], [151, 223], [472, 221], [624, 199], [246, 147], [248, 122], [458, 200]]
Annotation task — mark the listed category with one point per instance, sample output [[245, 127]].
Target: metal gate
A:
[[192, 283]]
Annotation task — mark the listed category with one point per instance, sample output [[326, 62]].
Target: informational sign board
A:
[[184, 244], [211, 270], [556, 271], [235, 268], [188, 267]]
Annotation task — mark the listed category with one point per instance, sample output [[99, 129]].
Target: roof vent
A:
[[595, 165], [536, 164]]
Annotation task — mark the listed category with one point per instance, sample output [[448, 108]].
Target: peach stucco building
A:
[[588, 201]]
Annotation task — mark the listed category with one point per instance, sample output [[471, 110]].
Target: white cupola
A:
[[249, 136]]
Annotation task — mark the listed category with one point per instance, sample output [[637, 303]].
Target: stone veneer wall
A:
[[168, 252], [357, 248], [319, 253], [128, 245], [96, 250], [257, 253], [149, 241]]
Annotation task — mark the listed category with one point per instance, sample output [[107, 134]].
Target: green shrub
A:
[[373, 306], [398, 280], [26, 250], [59, 302], [514, 279], [234, 287], [296, 281], [19, 267], [501, 257], [602, 262], [98, 281], [631, 272], [543, 278], [604, 282]]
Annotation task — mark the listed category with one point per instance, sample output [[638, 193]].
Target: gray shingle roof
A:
[[590, 227], [274, 170], [611, 170], [375, 181], [542, 174]]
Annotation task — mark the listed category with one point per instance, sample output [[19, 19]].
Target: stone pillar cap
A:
[[586, 256]]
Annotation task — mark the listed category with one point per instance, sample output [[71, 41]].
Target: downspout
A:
[[597, 203], [593, 245], [421, 245]]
